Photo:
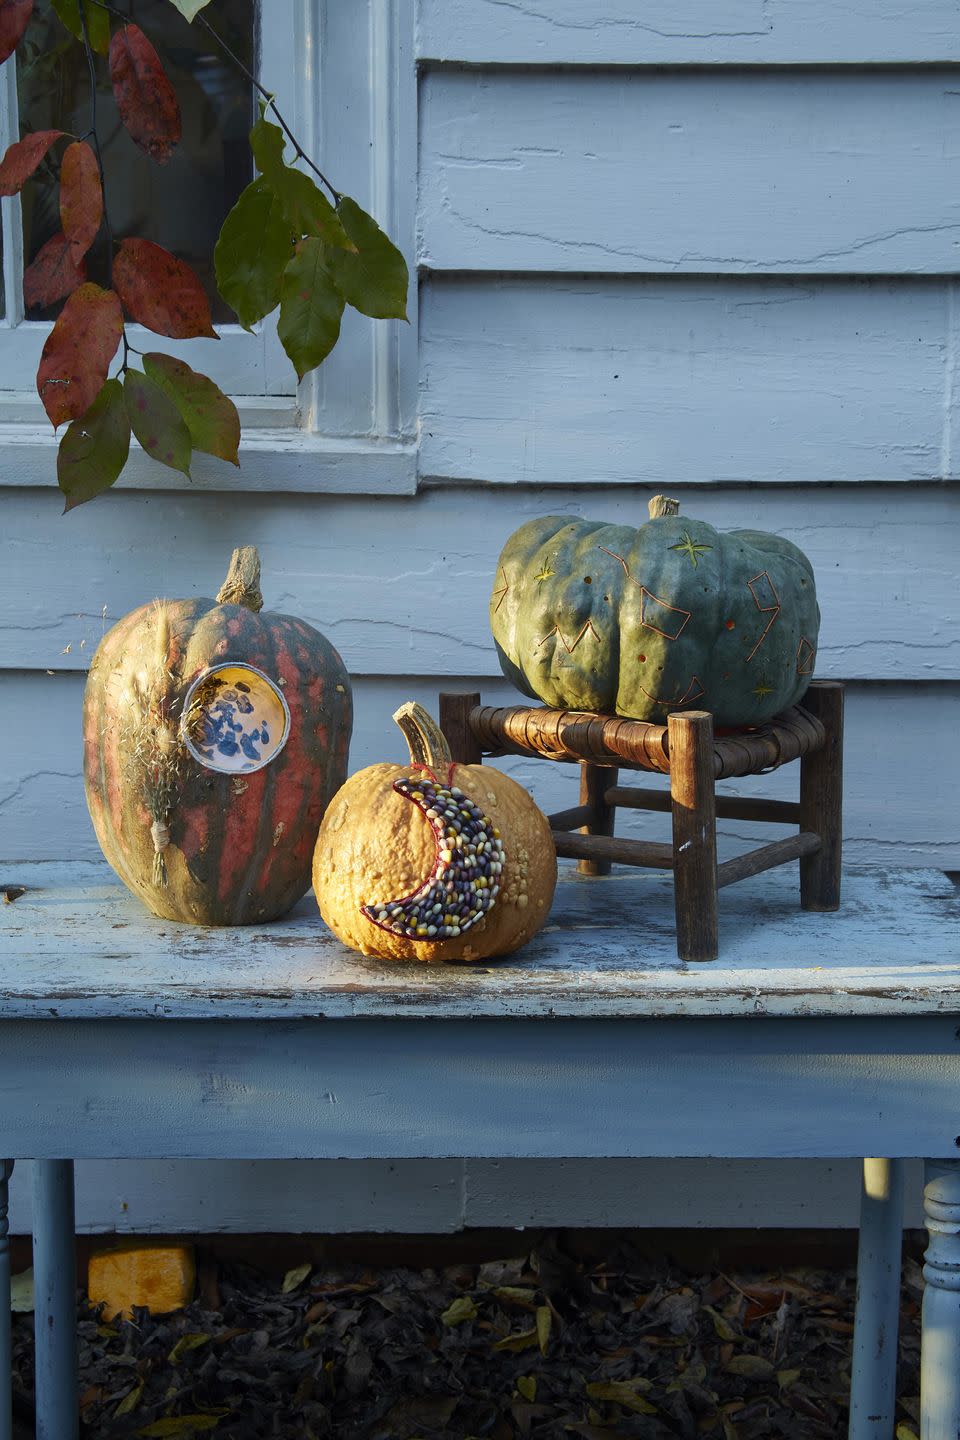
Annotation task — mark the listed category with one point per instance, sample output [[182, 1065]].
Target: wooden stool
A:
[[687, 750]]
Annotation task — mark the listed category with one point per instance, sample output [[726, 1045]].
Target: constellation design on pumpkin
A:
[[569, 646], [647, 597], [806, 653], [762, 588], [694, 691], [502, 592]]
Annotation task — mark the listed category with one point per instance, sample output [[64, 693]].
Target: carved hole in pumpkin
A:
[[235, 719], [588, 579]]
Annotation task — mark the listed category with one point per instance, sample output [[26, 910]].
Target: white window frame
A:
[[345, 76]]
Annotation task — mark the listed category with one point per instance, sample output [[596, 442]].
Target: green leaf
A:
[[21, 1293], [254, 246], [306, 208], [623, 1392], [156, 422], [94, 448], [209, 415], [752, 1367], [129, 1402], [181, 1425], [544, 1324], [98, 21], [527, 1386], [310, 308], [186, 1343], [459, 1310], [374, 280], [190, 9], [294, 1278], [724, 1329]]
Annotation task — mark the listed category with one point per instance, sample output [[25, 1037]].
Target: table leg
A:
[[940, 1344], [6, 1357], [873, 1390], [55, 1300]]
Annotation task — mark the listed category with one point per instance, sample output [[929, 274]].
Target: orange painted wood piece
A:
[[159, 1278]]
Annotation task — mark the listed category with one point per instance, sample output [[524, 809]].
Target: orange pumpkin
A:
[[433, 861]]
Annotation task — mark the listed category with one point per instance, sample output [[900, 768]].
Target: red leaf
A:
[[14, 19], [81, 197], [23, 157], [53, 273], [147, 102], [161, 291], [77, 355]]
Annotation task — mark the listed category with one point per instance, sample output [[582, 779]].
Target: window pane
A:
[[180, 205]]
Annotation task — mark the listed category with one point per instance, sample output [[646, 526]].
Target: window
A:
[[344, 75]]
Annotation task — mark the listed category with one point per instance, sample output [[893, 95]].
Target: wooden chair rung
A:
[[573, 818], [625, 852], [781, 852], [728, 807]]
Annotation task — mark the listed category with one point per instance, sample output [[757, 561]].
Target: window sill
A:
[[275, 457]]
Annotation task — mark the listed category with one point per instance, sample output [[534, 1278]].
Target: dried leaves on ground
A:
[[541, 1347]]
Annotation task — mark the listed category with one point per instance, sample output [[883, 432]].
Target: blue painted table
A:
[[812, 1036]]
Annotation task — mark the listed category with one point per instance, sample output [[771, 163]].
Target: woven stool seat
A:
[[575, 735]]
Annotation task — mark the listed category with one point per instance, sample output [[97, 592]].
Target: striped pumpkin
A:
[[199, 829]]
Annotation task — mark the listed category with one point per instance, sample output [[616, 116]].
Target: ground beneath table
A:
[[543, 1344]]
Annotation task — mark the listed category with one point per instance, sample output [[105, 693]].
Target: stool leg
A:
[[6, 1355], [455, 724], [821, 800], [873, 1388], [595, 781], [55, 1300], [693, 803], [940, 1332]]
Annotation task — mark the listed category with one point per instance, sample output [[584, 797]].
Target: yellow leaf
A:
[[293, 1278], [544, 1324], [906, 1432], [460, 1310], [181, 1425], [517, 1295], [184, 1345], [518, 1342], [724, 1330], [785, 1378], [21, 1293], [753, 1367], [527, 1385], [129, 1402], [623, 1392]]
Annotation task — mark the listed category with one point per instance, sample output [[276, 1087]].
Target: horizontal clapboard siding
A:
[[689, 32], [402, 587], [614, 379], [726, 172]]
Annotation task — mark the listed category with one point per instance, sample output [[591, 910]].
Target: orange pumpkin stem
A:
[[242, 585], [425, 740], [662, 505]]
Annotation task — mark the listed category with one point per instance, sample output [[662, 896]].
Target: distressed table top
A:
[[76, 943]]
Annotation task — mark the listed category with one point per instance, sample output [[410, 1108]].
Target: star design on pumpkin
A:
[[544, 573], [762, 689], [691, 547], [502, 592]]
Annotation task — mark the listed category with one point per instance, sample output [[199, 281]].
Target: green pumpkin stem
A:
[[242, 585], [662, 505], [425, 740]]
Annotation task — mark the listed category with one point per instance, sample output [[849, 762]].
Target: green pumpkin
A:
[[672, 616]]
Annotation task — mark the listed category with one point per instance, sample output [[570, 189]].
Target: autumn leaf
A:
[[310, 308], [14, 19], [623, 1392], [192, 1341], [294, 1278], [52, 274], [527, 1386], [375, 279], [23, 157], [544, 1324], [162, 292], [78, 351], [305, 207], [147, 102], [255, 244], [752, 1367], [525, 1340], [98, 21], [129, 1402], [458, 1311], [156, 422], [94, 448], [81, 198], [210, 416], [181, 1426]]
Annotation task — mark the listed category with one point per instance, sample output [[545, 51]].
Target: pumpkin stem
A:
[[662, 505], [242, 585], [425, 740]]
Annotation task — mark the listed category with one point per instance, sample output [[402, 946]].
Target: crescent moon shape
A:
[[465, 881]]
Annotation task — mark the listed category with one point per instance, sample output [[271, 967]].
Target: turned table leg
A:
[[693, 803], [6, 1355], [873, 1390], [55, 1300], [940, 1344]]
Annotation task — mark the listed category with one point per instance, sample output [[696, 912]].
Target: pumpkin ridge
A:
[[266, 824]]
